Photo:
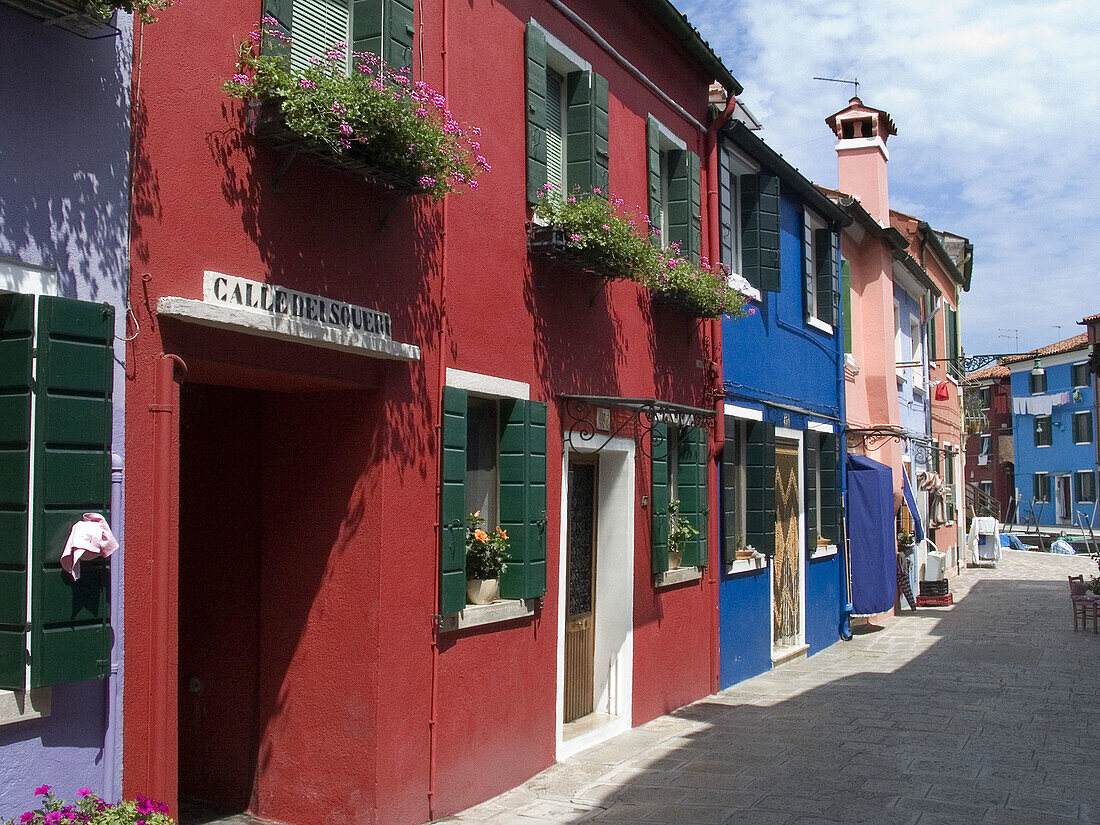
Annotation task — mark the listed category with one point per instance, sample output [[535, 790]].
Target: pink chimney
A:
[[861, 155]]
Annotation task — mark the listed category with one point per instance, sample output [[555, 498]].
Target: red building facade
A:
[[989, 457], [293, 645]]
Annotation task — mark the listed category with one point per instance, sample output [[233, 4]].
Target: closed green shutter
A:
[[381, 27], [731, 464], [846, 303], [587, 131], [760, 487], [555, 132], [282, 12], [318, 26], [16, 344], [809, 488], [760, 231], [523, 497], [653, 173], [659, 497], [452, 515], [692, 492], [683, 202], [828, 288], [725, 210], [808, 267], [829, 515], [936, 457], [536, 111], [71, 633]]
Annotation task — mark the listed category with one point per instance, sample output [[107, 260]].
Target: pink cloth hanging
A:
[[90, 538]]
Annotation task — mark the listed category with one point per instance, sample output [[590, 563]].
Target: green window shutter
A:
[[381, 27], [760, 487], [536, 111], [808, 266], [282, 11], [683, 202], [398, 30], [659, 496], [1082, 427], [760, 231], [555, 132], [829, 516], [692, 492], [936, 457], [653, 171], [725, 209], [731, 461], [16, 344], [932, 356], [828, 287], [809, 488], [586, 144], [452, 510], [70, 633], [846, 303], [366, 26], [1036, 492], [523, 497], [318, 25]]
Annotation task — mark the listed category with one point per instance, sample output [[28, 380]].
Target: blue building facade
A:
[[781, 593], [1055, 435], [64, 247]]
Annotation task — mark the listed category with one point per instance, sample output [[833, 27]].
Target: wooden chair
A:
[[1083, 604]]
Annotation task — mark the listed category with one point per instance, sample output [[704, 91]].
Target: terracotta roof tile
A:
[[992, 371], [1068, 345]]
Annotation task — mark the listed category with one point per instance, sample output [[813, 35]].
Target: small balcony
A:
[[77, 16], [551, 243]]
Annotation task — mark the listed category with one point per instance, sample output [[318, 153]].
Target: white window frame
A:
[[1077, 475], [1073, 426], [1037, 429], [809, 254], [1076, 366]]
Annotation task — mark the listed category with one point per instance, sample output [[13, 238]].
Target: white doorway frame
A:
[[782, 654], [1063, 507], [614, 606]]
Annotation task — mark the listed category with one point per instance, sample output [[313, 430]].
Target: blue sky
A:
[[997, 106]]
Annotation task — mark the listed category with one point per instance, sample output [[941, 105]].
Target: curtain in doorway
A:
[[871, 536]]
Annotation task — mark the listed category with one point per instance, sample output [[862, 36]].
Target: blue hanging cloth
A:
[[872, 542], [911, 503]]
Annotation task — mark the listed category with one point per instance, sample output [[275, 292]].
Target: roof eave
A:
[[683, 31], [949, 265]]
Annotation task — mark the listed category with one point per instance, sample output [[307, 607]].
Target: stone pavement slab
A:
[[984, 712]]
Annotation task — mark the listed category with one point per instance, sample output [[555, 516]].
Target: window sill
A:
[[677, 576], [824, 552], [475, 615], [747, 565], [741, 284], [821, 326], [22, 706]]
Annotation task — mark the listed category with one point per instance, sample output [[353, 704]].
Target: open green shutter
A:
[[725, 209], [731, 461], [523, 497], [827, 288], [846, 303], [809, 487], [587, 152], [659, 496], [16, 345], [536, 111], [683, 202], [829, 516], [692, 492], [366, 26], [70, 633], [932, 356], [808, 266], [760, 487], [398, 30], [653, 172], [282, 12], [760, 231], [452, 510]]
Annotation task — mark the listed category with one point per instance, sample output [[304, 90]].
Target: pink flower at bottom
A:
[[42, 790], [426, 181], [574, 237], [605, 227], [306, 83], [83, 792], [27, 817]]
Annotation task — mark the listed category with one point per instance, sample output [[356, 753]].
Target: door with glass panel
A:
[[580, 587]]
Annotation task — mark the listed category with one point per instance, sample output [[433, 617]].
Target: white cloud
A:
[[998, 111]]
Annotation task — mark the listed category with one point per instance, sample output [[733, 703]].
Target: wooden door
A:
[[786, 565], [580, 585]]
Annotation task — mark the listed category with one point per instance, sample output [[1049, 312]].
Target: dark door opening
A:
[[580, 619]]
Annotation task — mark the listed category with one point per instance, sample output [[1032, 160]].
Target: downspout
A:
[[842, 470], [165, 410], [111, 788], [433, 701], [714, 355]]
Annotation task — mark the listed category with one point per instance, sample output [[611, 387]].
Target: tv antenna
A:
[[853, 81]]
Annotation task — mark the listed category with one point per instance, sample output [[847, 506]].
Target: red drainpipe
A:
[[164, 410]]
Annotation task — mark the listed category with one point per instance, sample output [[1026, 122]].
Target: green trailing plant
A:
[[142, 9], [680, 531], [905, 541], [374, 112], [486, 553], [90, 809], [623, 242]]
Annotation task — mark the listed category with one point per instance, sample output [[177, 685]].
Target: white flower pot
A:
[[482, 591], [674, 559]]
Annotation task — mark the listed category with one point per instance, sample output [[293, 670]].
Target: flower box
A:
[[552, 243], [681, 301], [269, 127], [71, 15]]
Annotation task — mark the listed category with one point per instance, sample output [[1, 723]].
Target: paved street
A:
[[985, 712]]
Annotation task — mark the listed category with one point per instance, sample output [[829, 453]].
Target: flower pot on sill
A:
[[482, 591], [550, 242], [682, 301], [675, 557], [744, 554]]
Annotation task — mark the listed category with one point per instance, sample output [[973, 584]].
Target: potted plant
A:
[[680, 532], [372, 122], [90, 809], [742, 550], [486, 557], [905, 541]]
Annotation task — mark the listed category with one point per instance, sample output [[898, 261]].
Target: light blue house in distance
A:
[[64, 262], [1055, 434], [781, 592]]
